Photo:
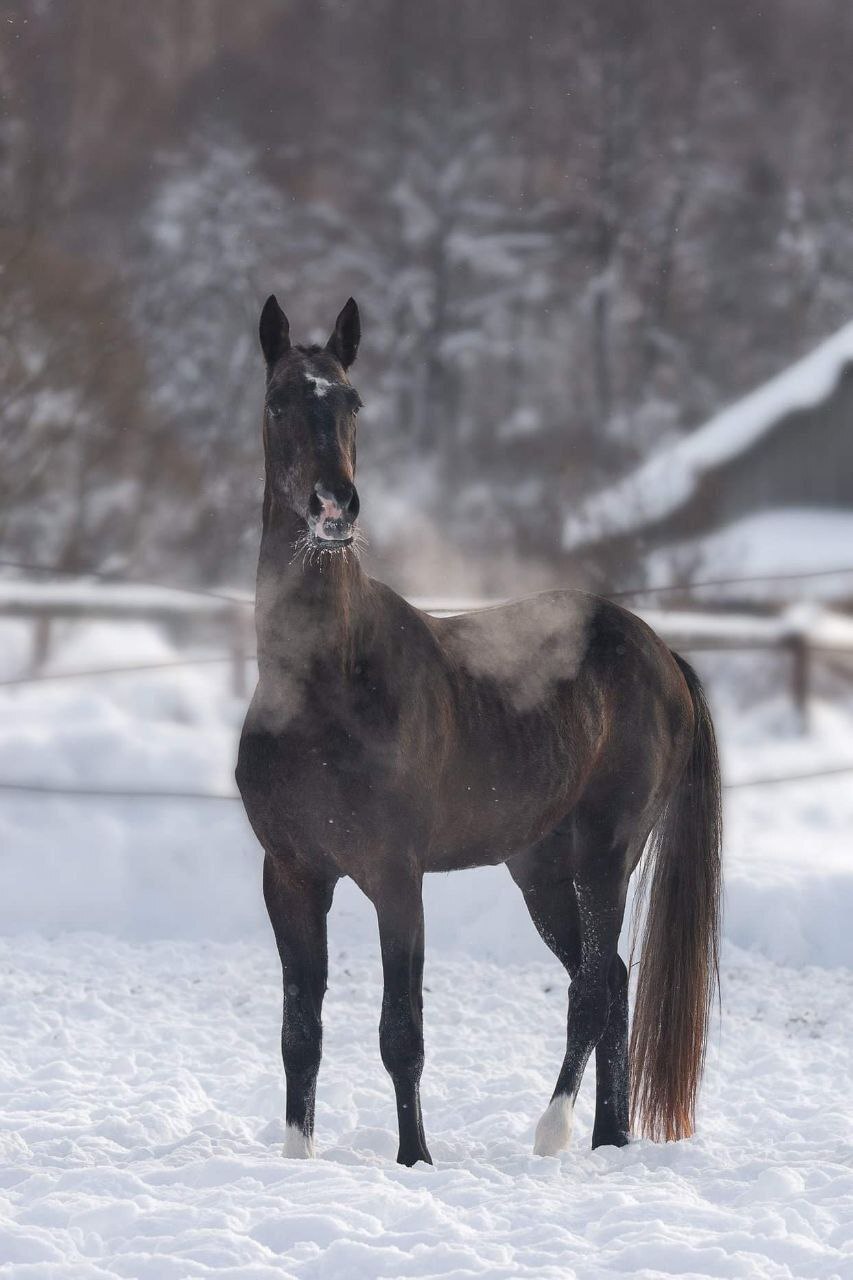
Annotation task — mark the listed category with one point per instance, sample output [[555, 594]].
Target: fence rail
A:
[[799, 634], [45, 603]]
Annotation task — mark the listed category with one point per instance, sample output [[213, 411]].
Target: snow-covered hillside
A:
[[141, 1092]]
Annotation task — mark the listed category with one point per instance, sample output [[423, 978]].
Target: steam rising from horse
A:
[[555, 734]]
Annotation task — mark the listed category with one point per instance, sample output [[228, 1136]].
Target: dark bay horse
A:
[[555, 734]]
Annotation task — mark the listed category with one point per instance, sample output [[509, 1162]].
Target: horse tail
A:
[[679, 968]]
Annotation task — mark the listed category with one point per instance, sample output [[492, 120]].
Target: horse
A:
[[556, 734]]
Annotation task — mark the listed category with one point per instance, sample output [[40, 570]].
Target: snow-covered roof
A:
[[669, 478]]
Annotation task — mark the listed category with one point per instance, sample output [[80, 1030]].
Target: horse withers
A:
[[555, 734]]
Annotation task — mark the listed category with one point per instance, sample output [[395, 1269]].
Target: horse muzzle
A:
[[332, 512]]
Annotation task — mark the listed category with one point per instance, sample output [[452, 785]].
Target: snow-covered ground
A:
[[141, 1093], [141, 1101]]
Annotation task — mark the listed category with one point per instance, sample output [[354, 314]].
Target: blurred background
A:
[[604, 258], [575, 230]]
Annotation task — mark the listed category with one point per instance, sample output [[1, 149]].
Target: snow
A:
[[670, 476], [141, 1091], [789, 541], [141, 1101]]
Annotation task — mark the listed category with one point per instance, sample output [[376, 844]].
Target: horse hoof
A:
[[619, 1138], [297, 1144], [554, 1130], [410, 1158]]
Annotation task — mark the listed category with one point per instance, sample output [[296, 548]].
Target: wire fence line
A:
[[233, 598], [36, 788], [775, 780], [799, 575], [88, 673], [112, 793], [122, 600], [209, 594], [213, 660]]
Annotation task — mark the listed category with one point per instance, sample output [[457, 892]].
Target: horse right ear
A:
[[274, 330]]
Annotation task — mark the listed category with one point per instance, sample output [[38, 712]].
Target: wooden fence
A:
[[800, 632]]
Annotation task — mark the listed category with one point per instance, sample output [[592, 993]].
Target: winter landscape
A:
[[604, 262]]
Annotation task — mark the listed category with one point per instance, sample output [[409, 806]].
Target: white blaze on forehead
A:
[[321, 385]]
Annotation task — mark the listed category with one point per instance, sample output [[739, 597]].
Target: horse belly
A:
[[496, 813]]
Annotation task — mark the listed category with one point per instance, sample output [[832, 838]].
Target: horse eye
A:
[[274, 410]]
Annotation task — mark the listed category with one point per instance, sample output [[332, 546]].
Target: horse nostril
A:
[[342, 495]]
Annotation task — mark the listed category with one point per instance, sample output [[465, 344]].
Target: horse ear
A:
[[274, 330], [346, 334]]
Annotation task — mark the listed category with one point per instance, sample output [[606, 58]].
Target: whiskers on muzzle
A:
[[309, 550]]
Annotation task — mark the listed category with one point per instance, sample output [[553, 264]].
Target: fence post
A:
[[239, 649], [800, 678], [41, 641]]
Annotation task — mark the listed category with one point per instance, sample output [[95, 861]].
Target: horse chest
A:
[[330, 793]]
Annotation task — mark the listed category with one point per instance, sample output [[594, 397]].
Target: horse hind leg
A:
[[578, 911], [549, 894], [612, 1113]]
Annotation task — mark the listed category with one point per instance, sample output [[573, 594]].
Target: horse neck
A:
[[306, 603]]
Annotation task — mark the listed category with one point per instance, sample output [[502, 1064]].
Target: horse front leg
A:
[[298, 903], [400, 913]]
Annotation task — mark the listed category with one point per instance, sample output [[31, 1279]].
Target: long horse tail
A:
[[679, 967]]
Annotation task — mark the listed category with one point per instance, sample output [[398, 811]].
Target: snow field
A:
[[141, 1099]]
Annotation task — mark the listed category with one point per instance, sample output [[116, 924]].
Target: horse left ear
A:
[[346, 334], [274, 331]]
